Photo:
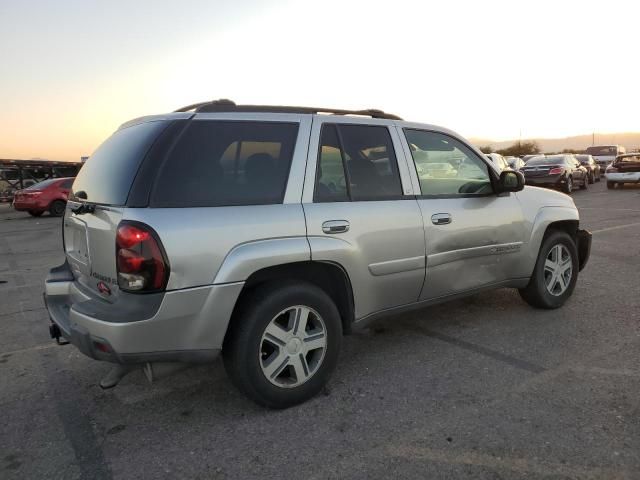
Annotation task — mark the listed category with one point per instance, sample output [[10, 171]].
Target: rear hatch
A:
[[97, 202]]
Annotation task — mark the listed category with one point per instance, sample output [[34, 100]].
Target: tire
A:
[[266, 371], [592, 178], [568, 186], [599, 177], [56, 209], [537, 293], [611, 185], [585, 183], [35, 213]]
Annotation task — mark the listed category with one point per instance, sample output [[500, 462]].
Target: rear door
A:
[[104, 183], [360, 212], [473, 236]]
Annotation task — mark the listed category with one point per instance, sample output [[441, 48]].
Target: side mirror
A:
[[510, 181]]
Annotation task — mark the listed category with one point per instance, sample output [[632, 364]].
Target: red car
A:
[[49, 195]]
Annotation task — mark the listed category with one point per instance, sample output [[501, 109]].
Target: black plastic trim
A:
[[583, 242]]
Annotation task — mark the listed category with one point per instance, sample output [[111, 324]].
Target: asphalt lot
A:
[[484, 387]]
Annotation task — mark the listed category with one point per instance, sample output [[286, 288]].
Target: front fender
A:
[[545, 217], [247, 258]]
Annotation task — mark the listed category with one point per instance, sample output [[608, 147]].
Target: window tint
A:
[[42, 185], [67, 183], [218, 163], [368, 156], [107, 176], [445, 166]]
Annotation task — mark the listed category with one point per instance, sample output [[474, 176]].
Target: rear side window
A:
[[107, 176], [224, 163], [42, 185], [356, 162]]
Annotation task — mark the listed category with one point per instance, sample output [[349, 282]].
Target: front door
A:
[[361, 213], [473, 236]]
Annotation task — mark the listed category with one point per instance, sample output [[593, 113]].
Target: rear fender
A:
[[247, 258]]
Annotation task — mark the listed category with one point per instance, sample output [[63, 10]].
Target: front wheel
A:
[[555, 274], [592, 178], [283, 344], [568, 186]]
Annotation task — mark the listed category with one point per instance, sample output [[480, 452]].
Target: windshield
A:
[[43, 185], [108, 174], [629, 159], [607, 150]]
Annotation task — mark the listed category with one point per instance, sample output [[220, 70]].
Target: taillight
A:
[[140, 259], [555, 171]]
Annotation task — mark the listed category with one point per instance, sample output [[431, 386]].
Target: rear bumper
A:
[[188, 326], [583, 241], [555, 181], [624, 177]]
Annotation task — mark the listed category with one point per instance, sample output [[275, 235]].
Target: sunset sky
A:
[[72, 71]]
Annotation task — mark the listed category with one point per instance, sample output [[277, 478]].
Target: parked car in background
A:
[[50, 195], [592, 166], [515, 163], [526, 158], [556, 171], [604, 155], [498, 160], [625, 169]]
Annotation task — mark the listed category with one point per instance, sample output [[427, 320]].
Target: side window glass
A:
[[445, 166], [224, 163], [331, 184], [356, 162]]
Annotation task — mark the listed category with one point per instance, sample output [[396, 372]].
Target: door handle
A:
[[441, 218], [335, 226]]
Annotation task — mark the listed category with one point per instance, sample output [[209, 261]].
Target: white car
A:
[[515, 163], [624, 169], [498, 160]]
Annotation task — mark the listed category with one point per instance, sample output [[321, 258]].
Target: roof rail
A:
[[224, 105]]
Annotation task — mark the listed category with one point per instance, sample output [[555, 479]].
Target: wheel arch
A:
[[328, 276]]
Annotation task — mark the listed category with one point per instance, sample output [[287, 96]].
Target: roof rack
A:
[[224, 105]]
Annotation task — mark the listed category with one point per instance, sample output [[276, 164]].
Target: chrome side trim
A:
[[436, 259], [396, 266]]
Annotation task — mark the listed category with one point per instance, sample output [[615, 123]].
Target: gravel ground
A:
[[484, 387]]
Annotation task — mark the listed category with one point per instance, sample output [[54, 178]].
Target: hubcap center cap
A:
[[294, 346]]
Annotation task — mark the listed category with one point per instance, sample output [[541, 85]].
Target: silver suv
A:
[[266, 233]]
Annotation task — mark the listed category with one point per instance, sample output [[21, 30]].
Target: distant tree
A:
[[486, 149], [520, 148]]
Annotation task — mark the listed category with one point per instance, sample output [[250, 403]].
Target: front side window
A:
[[224, 163], [356, 162], [446, 166]]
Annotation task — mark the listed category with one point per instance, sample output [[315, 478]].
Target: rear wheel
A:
[[611, 185], [35, 213], [592, 177], [283, 344], [57, 207], [568, 186], [555, 274]]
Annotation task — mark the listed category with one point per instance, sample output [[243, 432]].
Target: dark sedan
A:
[[592, 166], [556, 171]]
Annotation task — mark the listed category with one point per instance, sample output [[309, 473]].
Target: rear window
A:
[[107, 176], [604, 150], [550, 159], [223, 163]]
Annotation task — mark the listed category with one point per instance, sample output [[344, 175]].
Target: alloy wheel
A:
[[558, 269], [293, 346]]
